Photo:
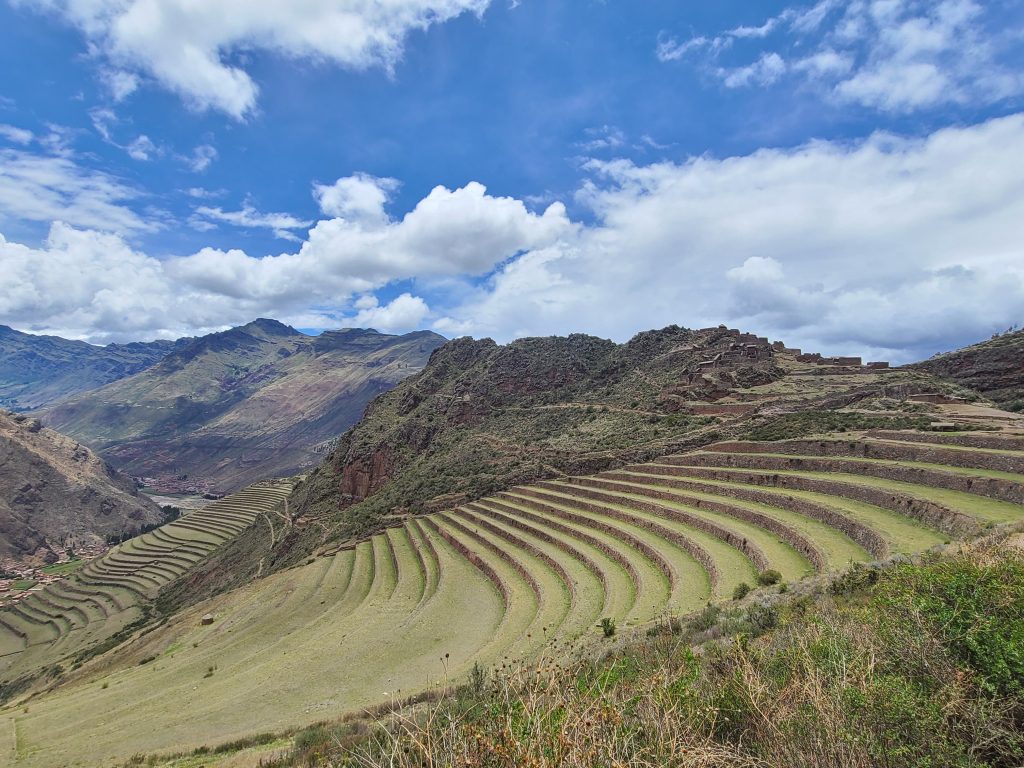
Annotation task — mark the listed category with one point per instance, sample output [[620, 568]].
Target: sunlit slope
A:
[[422, 602]]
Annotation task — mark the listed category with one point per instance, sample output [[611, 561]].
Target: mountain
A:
[[36, 371], [231, 408], [483, 417], [994, 368], [54, 491]]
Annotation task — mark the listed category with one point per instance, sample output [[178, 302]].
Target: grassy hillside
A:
[[510, 576], [911, 664], [55, 492], [56, 628], [38, 370], [235, 407]]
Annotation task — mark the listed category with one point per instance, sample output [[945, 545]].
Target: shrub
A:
[[769, 577], [607, 626], [741, 591]]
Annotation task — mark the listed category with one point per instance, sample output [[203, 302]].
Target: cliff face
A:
[[233, 408], [54, 492], [995, 368]]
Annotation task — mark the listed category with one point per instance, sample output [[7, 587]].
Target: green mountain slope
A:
[[242, 405], [38, 370], [54, 490]]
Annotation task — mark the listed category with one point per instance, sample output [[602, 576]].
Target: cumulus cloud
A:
[[890, 55], [44, 188], [893, 245], [189, 47], [404, 313], [450, 232], [889, 246], [358, 198]]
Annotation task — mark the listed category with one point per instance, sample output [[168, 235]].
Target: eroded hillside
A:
[[55, 492]]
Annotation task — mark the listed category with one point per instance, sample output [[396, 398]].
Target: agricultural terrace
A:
[[68, 619], [419, 604]]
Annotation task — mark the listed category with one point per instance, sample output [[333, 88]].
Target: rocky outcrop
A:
[[995, 368], [482, 417], [55, 493]]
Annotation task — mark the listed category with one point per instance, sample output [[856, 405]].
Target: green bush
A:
[[977, 610], [769, 577], [741, 591], [607, 626]]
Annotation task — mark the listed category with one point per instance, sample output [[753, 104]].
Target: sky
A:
[[843, 175]]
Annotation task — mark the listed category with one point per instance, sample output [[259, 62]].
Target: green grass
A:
[[652, 592], [63, 569], [912, 667], [20, 585]]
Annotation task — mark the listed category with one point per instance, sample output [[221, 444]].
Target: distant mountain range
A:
[[218, 412], [38, 370], [56, 492]]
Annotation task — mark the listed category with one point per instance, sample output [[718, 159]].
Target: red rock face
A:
[[363, 477]]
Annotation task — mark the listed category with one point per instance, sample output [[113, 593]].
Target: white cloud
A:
[[888, 246], [202, 157], [189, 47], [889, 55], [102, 120], [41, 188], [114, 292], [142, 148], [404, 313], [16, 135], [119, 83], [893, 245], [359, 198], [603, 138], [249, 217], [765, 71]]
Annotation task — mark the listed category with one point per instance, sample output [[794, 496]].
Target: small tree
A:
[[741, 591], [607, 626]]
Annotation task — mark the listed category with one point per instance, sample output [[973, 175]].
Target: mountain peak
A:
[[270, 326]]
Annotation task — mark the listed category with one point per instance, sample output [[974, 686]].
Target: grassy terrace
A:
[[96, 601], [419, 604]]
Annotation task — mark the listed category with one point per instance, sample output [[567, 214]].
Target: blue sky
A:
[[842, 174]]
